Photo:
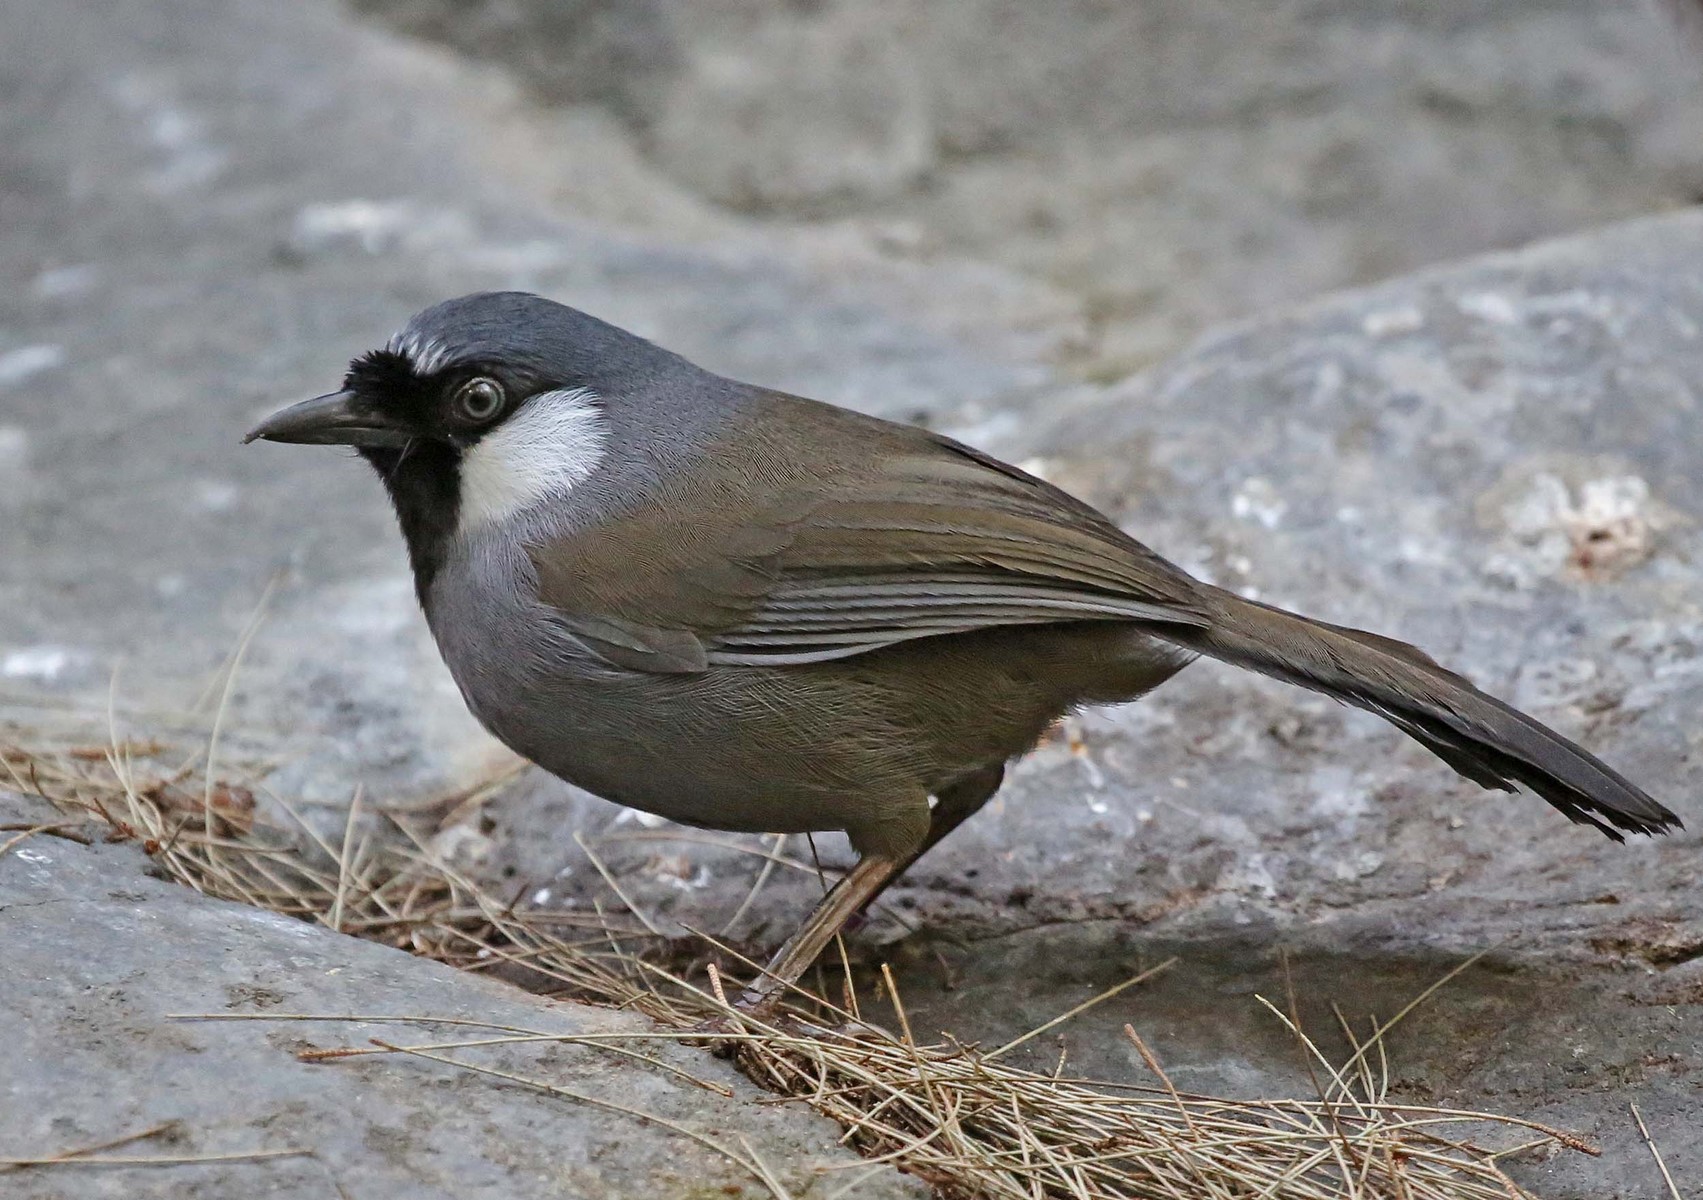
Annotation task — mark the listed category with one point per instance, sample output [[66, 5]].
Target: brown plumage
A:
[[747, 610], [889, 534]]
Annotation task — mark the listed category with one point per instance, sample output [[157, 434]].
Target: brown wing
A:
[[828, 534]]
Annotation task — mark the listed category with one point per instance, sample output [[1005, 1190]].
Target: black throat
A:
[[424, 482]]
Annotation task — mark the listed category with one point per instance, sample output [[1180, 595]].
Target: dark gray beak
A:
[[340, 419]]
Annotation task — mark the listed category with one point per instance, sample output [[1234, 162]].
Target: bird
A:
[[746, 610]]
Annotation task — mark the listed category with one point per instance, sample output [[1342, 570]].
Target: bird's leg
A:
[[953, 805], [858, 889], [855, 889]]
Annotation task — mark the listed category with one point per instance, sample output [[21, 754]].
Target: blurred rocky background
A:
[[1149, 167], [1092, 237]]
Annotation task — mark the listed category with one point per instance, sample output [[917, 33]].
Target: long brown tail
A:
[[1478, 735]]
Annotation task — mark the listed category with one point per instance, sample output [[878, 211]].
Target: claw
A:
[[715, 1030]]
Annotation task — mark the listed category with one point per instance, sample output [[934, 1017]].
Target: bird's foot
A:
[[721, 1034], [845, 1029], [725, 1032]]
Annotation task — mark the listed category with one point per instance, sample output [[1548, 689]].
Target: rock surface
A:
[[1495, 461], [1159, 166], [99, 958], [210, 209], [211, 206]]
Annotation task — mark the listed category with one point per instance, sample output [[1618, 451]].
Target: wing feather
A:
[[899, 535]]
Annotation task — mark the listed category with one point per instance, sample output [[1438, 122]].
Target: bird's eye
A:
[[478, 400]]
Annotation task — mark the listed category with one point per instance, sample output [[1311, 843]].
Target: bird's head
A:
[[480, 408], [460, 370]]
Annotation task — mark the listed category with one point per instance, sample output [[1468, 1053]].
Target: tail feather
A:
[[1485, 740]]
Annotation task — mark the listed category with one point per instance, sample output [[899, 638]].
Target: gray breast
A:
[[495, 636]]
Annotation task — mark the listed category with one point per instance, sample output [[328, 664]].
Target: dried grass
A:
[[957, 1116]]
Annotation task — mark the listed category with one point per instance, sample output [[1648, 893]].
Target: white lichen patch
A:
[[1257, 500], [215, 495], [628, 816], [1599, 528], [678, 871], [461, 847], [26, 361], [374, 227], [1359, 866], [1489, 306], [1613, 524], [1393, 322], [40, 664]]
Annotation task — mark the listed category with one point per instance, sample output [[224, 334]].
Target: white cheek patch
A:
[[553, 441]]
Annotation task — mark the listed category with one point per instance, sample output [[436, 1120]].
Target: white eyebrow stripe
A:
[[549, 444], [426, 354]]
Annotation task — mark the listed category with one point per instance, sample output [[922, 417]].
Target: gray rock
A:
[[99, 958], [210, 208], [1495, 461], [1169, 164]]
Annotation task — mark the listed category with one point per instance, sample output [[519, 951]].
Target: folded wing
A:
[[817, 558]]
